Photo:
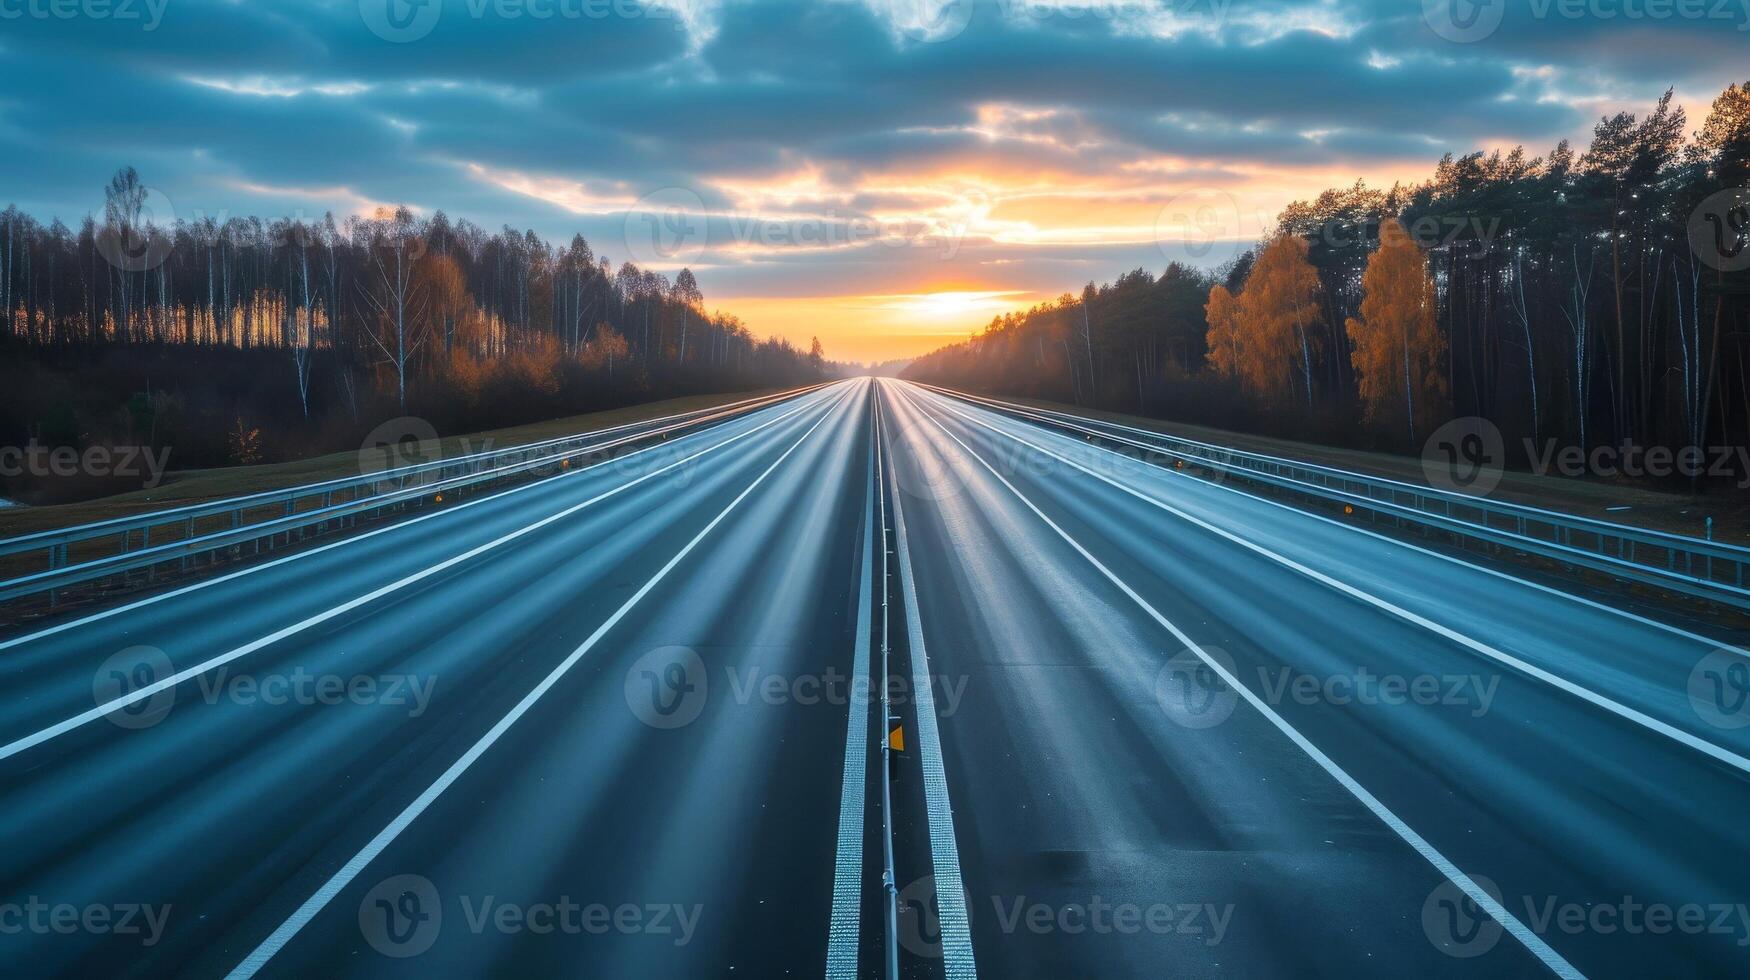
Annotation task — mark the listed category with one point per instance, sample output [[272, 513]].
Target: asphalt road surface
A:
[[628, 721]]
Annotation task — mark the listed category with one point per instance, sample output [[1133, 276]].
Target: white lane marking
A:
[[252, 569], [957, 960], [86, 717], [1454, 559], [1483, 899], [316, 902], [170, 513], [845, 925], [1588, 695]]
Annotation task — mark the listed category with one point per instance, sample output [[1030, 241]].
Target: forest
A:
[[257, 341], [1586, 297]]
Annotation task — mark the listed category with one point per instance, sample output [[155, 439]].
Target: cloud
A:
[[1038, 135]]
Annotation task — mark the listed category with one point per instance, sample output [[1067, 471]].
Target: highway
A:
[[626, 722]]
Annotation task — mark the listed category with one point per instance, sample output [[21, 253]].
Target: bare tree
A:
[[398, 327]]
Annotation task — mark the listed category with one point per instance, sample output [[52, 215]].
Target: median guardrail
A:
[[338, 502], [1693, 566]]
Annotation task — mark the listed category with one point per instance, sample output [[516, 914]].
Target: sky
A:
[[884, 174]]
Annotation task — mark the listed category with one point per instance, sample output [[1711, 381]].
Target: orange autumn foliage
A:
[[1398, 347], [1261, 335]]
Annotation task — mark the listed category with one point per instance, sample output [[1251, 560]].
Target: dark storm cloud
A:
[[290, 98]]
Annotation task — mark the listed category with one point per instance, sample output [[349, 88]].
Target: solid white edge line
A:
[[845, 925], [1678, 735], [139, 694], [1412, 546], [957, 958], [352, 539], [316, 902], [1532, 942]]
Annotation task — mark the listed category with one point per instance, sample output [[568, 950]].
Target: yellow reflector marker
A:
[[896, 739]]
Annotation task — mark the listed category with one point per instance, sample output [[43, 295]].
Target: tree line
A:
[[309, 333], [1589, 297]]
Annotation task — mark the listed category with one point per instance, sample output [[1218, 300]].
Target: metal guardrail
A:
[[1693, 566], [363, 494]]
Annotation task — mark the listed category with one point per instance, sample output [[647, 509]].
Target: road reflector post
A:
[[896, 738]]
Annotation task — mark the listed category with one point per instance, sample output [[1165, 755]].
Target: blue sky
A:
[[886, 173]]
